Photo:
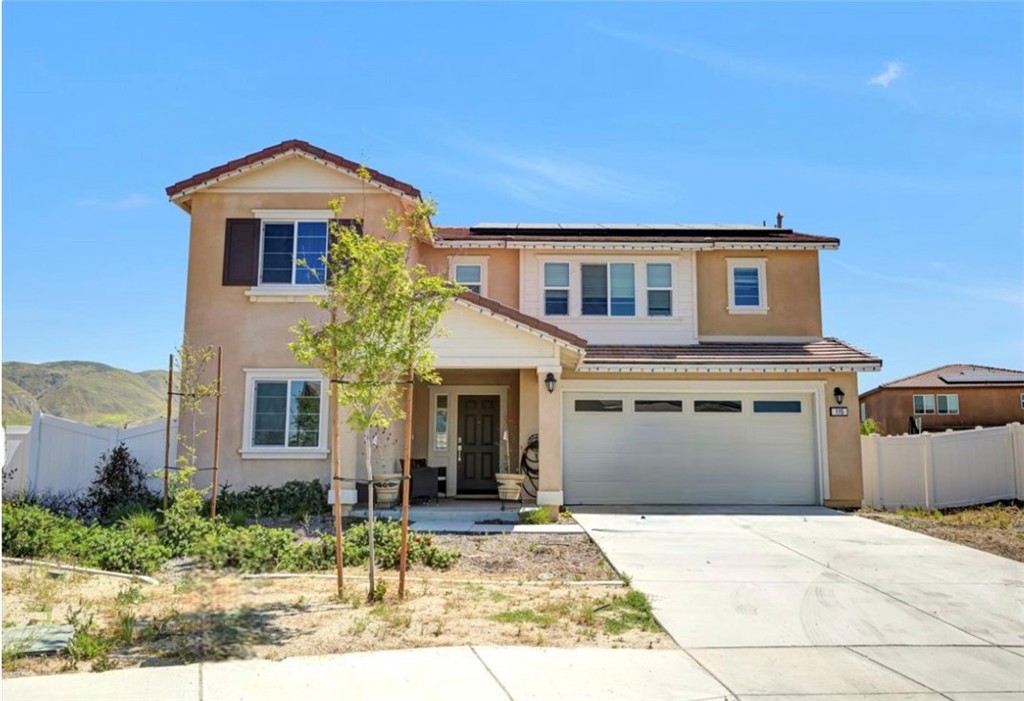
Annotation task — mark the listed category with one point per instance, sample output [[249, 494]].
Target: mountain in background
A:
[[92, 393]]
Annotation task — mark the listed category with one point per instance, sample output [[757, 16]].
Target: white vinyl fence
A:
[[938, 470], [58, 455]]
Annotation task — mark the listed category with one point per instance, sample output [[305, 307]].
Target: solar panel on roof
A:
[[983, 378]]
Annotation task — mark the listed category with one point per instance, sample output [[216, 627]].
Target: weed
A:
[[536, 517], [630, 612], [358, 626], [497, 596], [522, 616], [380, 590], [130, 596]]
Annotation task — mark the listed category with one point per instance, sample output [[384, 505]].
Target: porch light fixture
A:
[[839, 394], [550, 381]]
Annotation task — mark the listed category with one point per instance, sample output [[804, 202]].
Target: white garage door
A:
[[689, 448]]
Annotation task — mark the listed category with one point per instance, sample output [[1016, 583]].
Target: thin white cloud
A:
[[545, 180], [132, 201], [711, 56], [893, 70], [993, 291]]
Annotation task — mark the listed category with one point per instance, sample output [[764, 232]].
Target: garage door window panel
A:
[[718, 406], [599, 405], [789, 406], [658, 406]]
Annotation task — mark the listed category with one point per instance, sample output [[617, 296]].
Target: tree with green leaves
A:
[[382, 313]]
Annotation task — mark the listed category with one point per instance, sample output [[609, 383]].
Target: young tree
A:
[[382, 313]]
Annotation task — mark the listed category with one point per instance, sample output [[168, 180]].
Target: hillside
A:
[[89, 392]]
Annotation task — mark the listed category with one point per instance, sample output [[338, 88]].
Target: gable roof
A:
[[516, 235], [516, 317], [292, 146], [956, 376]]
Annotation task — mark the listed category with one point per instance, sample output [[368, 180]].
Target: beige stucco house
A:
[[658, 364]]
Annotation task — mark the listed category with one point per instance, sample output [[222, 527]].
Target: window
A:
[[599, 405], [608, 289], [924, 403], [441, 422], [659, 289], [948, 403], [789, 406], [285, 244], [556, 289], [470, 276], [747, 294], [657, 405], [717, 406], [286, 413]]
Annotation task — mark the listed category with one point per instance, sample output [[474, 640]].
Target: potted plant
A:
[[386, 480], [510, 479]]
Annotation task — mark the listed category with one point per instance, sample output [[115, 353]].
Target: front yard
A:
[[528, 589], [996, 528]]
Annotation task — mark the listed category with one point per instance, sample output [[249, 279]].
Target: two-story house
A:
[[658, 364]]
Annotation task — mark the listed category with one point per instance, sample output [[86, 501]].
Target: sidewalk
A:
[[444, 674]]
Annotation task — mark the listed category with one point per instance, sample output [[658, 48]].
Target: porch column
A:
[[549, 425]]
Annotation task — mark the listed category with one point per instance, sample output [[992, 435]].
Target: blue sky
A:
[[897, 128]]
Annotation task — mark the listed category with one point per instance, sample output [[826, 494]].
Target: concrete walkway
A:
[[811, 601]]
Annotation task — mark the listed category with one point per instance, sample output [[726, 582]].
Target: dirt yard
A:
[[506, 589], [997, 529]]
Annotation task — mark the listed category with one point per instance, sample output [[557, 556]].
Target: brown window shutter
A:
[[242, 252]]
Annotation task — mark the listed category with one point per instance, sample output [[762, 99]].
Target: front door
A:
[[479, 444]]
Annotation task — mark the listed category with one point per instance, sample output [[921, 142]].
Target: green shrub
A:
[[123, 550], [309, 556], [249, 549], [119, 484], [387, 542], [293, 499]]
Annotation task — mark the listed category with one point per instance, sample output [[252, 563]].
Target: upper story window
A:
[[556, 289], [608, 289], [924, 403], [747, 286], [470, 272], [948, 403], [292, 252], [659, 289]]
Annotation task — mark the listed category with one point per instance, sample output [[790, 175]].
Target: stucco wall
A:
[[892, 407], [794, 295], [502, 268]]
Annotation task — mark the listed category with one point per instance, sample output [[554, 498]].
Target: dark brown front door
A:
[[479, 444]]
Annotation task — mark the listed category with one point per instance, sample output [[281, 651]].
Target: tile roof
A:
[[282, 148], [933, 378], [827, 351], [525, 319], [637, 233]]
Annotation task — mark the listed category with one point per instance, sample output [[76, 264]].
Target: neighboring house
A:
[[672, 364], [947, 397]]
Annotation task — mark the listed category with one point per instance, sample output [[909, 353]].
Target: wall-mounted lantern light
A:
[[550, 382], [839, 394]]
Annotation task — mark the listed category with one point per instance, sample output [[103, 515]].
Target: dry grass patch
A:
[[995, 528], [508, 589]]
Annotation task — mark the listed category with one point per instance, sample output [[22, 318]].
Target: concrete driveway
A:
[[788, 601]]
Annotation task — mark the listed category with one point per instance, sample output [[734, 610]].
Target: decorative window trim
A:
[[681, 306], [479, 261], [947, 412], [762, 285], [250, 452], [434, 407], [924, 404]]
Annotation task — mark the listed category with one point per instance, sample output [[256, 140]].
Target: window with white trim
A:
[[947, 403], [556, 289], [659, 289], [285, 413], [441, 422], [924, 403], [292, 252], [470, 276], [608, 289], [747, 286]]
